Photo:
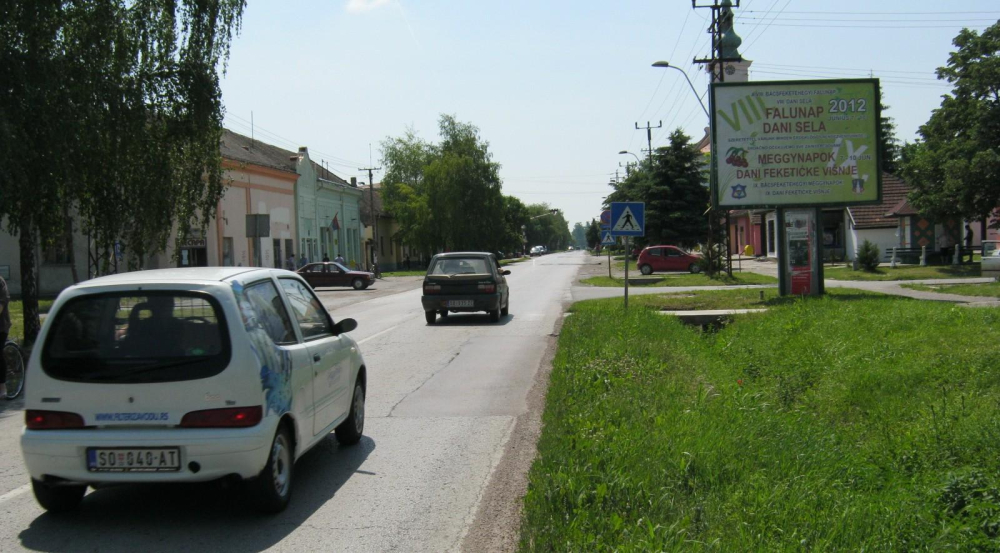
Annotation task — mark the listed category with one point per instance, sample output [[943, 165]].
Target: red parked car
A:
[[330, 273], [667, 258]]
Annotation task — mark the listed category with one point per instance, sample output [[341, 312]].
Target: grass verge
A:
[[988, 289], [505, 262], [17, 317], [685, 279], [904, 272], [848, 422]]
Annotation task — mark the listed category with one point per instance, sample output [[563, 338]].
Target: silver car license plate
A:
[[133, 459]]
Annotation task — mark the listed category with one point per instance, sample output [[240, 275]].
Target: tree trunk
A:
[[72, 246], [29, 288]]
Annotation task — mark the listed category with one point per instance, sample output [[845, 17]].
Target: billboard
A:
[[796, 143]]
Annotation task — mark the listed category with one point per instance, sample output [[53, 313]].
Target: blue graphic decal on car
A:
[[275, 362]]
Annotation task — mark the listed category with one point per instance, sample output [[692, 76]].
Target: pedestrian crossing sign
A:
[[628, 218], [606, 238]]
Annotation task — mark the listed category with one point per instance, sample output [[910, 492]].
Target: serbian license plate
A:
[[134, 459], [459, 303]]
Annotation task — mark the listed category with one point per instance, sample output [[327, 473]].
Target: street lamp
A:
[[637, 162], [668, 66], [712, 175]]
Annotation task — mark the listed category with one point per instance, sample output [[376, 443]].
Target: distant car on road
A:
[[991, 259], [187, 375], [667, 258], [463, 282], [536, 251], [330, 273]]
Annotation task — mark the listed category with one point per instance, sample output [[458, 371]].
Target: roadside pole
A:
[[627, 219], [626, 273], [609, 262]]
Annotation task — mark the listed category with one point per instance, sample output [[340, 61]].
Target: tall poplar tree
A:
[[111, 109]]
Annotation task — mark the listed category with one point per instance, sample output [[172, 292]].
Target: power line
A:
[[768, 26], [883, 13], [878, 27], [868, 20], [865, 70], [288, 141]]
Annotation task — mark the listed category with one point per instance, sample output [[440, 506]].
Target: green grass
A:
[[684, 279], [904, 272], [505, 262], [414, 272], [849, 422], [989, 289], [17, 317]]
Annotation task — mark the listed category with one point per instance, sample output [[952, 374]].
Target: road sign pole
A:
[[626, 272], [609, 262]]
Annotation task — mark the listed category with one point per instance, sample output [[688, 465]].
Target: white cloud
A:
[[358, 6]]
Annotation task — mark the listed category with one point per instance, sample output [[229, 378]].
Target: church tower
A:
[[734, 71]]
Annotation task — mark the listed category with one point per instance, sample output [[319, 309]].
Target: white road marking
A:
[[15, 493], [377, 334]]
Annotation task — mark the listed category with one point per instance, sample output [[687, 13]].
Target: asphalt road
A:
[[444, 404]]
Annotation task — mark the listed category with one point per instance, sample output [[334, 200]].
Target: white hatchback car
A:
[[187, 375]]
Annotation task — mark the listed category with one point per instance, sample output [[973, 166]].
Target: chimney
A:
[[354, 182]]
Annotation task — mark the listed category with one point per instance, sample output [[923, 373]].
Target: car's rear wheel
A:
[[358, 284], [349, 432], [505, 310], [430, 316], [444, 313], [494, 315], [646, 270], [694, 268], [57, 499], [274, 483]]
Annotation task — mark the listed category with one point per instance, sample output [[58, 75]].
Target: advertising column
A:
[[801, 272]]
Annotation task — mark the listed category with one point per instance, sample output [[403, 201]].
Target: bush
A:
[[713, 260], [868, 256]]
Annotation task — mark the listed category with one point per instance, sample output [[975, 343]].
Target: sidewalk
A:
[[770, 268]]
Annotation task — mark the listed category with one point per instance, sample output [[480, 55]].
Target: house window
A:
[[227, 251], [59, 252]]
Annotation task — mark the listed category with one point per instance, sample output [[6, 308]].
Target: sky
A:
[[556, 86]]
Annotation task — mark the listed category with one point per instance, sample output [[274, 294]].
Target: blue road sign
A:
[[628, 219], [607, 239], [606, 219]]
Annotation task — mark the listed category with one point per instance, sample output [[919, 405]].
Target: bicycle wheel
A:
[[15, 369]]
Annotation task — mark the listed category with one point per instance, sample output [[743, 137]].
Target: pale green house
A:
[[329, 221]]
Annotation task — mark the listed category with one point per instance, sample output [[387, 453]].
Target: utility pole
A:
[[649, 138], [371, 209], [721, 18]]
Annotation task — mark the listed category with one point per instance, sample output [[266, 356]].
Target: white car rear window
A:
[[153, 337]]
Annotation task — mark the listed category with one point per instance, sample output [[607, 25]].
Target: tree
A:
[[955, 167], [448, 196], [889, 148], [593, 234], [579, 236], [111, 110], [675, 192]]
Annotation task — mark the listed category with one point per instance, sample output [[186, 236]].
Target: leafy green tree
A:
[[447, 196], [112, 110], [547, 227], [675, 192], [515, 216], [678, 194], [579, 236], [955, 167], [889, 147], [593, 234]]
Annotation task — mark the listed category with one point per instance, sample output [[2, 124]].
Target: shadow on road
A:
[[197, 516], [471, 319]]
